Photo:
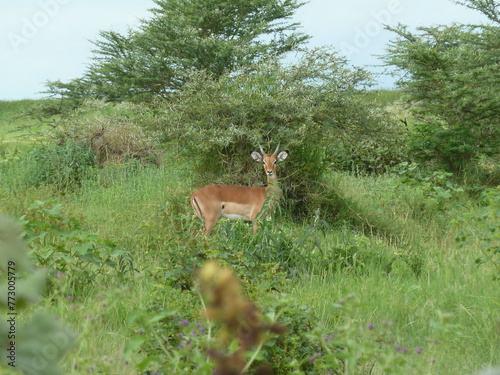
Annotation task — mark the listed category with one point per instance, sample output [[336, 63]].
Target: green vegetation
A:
[[217, 37], [383, 257], [14, 124], [452, 72], [392, 286]]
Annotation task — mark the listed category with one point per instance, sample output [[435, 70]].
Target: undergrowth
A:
[[399, 282]]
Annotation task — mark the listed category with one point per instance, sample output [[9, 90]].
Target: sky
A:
[[47, 40]]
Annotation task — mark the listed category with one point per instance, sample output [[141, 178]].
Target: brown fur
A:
[[213, 201]]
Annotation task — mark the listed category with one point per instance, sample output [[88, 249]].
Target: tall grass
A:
[[445, 305]]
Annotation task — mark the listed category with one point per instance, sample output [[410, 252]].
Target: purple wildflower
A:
[[371, 327], [184, 322], [419, 350]]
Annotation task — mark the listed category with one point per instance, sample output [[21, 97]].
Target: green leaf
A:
[[132, 345], [83, 248], [153, 318], [55, 210]]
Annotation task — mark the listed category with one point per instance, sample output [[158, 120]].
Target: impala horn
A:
[[261, 150], [277, 148]]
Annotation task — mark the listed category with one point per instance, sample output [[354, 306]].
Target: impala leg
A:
[[253, 217], [210, 223], [255, 227], [208, 228]]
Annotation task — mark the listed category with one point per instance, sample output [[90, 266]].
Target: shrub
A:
[[114, 132], [307, 107], [63, 166], [451, 73], [58, 243]]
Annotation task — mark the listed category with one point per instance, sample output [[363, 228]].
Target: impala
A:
[[237, 202]]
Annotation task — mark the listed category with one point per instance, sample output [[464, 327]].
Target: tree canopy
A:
[[213, 36], [452, 73]]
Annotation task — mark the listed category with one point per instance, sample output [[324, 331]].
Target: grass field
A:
[[401, 294]]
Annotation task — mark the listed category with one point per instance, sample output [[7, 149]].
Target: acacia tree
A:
[[452, 74], [214, 36], [490, 8]]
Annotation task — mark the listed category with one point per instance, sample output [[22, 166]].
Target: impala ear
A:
[[256, 156], [282, 155]]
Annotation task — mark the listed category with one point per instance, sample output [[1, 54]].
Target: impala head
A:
[[269, 161]]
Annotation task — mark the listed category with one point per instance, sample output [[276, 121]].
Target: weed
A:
[[63, 166], [58, 243]]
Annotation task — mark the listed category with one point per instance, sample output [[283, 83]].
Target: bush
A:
[[451, 74], [63, 166], [115, 132], [371, 155], [58, 243], [307, 107]]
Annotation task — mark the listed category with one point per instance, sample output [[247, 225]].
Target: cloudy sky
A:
[[45, 40]]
